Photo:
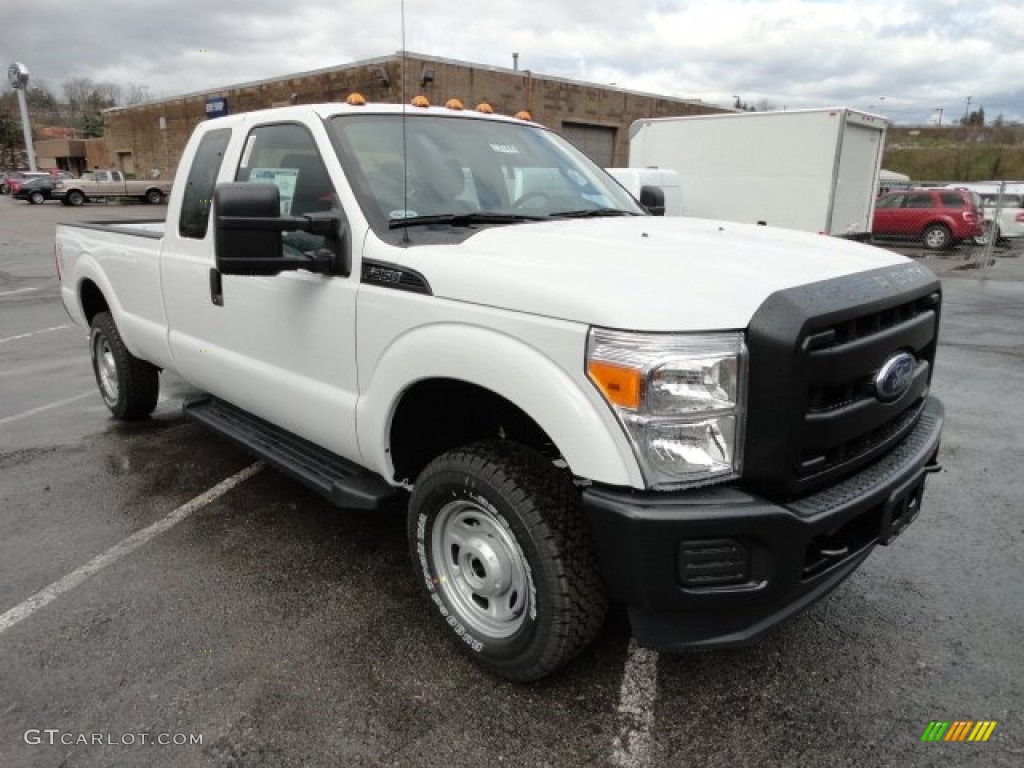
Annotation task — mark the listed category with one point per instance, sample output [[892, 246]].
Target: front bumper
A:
[[720, 566]]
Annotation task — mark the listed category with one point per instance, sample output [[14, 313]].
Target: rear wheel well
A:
[[93, 301], [438, 415]]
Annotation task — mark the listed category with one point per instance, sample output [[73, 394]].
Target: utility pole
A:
[[939, 110], [967, 111], [17, 76]]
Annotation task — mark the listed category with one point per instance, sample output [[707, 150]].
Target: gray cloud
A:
[[793, 53]]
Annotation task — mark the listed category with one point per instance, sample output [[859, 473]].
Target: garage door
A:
[[595, 141]]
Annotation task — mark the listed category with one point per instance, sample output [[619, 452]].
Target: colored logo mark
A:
[[958, 730]]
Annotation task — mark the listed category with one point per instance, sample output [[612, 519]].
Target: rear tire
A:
[[937, 237], [129, 386], [503, 553]]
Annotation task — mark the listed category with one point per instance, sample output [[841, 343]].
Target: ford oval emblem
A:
[[895, 376]]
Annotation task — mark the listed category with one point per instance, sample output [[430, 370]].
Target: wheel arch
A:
[[92, 300], [472, 383]]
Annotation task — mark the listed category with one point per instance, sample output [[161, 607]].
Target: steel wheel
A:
[[36, 198], [504, 557], [481, 569], [937, 237], [106, 370], [129, 386]]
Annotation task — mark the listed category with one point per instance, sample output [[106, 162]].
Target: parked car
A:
[[36, 191], [1011, 209], [938, 217], [110, 184], [13, 179]]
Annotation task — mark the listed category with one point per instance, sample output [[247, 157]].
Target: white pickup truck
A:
[[109, 184], [711, 422]]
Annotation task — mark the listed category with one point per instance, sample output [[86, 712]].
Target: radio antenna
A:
[[405, 143]]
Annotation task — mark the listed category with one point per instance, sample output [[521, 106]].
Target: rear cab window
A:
[[202, 176]]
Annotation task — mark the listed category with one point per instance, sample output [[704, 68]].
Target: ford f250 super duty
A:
[[711, 422]]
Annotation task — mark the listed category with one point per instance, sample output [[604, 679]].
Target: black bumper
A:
[[719, 566]]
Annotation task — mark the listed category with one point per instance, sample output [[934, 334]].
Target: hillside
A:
[[956, 153]]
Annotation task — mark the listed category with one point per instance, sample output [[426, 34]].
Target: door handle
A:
[[216, 289]]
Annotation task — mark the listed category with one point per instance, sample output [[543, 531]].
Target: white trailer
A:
[[814, 170]]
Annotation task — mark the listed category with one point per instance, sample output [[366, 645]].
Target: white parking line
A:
[[33, 333], [48, 594], [47, 407], [19, 290], [632, 747]]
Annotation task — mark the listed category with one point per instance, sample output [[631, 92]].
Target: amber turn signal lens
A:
[[620, 386]]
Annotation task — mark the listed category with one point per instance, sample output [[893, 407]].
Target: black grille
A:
[[814, 414]]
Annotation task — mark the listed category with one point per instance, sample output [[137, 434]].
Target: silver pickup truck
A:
[[108, 184]]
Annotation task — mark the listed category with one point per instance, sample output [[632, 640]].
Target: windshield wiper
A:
[[583, 213], [463, 219]]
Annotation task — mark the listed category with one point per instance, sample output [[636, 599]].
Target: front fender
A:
[[569, 409]]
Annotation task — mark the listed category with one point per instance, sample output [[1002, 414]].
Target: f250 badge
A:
[[895, 376]]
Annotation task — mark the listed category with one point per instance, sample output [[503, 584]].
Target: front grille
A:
[[814, 413]]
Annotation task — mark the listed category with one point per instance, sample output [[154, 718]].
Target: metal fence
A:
[[977, 219]]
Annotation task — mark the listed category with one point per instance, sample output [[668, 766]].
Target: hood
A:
[[643, 274]]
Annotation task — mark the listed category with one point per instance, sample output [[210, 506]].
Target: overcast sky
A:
[[903, 58]]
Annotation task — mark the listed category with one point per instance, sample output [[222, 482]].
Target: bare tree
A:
[[135, 93]]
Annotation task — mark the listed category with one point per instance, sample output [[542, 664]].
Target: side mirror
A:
[[247, 236], [653, 199], [245, 250]]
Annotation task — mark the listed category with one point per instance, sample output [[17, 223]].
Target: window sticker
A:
[[283, 178], [247, 152], [505, 149]]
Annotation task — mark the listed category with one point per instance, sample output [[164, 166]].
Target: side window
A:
[[952, 200], [890, 201], [195, 207], [920, 200], [287, 156]]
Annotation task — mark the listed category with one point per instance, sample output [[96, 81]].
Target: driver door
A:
[[281, 347]]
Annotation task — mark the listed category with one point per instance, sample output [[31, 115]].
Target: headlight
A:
[[680, 399]]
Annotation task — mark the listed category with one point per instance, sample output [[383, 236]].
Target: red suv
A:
[[940, 218]]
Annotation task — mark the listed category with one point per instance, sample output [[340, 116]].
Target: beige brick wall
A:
[[550, 101]]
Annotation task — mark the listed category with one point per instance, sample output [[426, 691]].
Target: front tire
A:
[[154, 196], [129, 386], [504, 556], [36, 198], [74, 197]]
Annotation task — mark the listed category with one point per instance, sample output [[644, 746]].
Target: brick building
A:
[[595, 118]]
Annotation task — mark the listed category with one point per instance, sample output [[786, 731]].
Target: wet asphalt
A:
[[285, 632]]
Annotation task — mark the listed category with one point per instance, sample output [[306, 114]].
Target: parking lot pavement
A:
[[280, 631]]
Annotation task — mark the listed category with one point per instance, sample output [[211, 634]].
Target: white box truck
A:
[[814, 170]]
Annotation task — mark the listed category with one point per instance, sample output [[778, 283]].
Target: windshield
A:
[[466, 173]]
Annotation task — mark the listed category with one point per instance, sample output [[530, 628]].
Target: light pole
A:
[[17, 76], [967, 111]]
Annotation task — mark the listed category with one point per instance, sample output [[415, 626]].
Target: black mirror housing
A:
[[653, 199], [241, 249], [247, 237]]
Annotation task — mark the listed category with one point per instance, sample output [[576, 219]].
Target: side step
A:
[[346, 484]]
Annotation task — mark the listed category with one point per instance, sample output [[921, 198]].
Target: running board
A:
[[344, 483]]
